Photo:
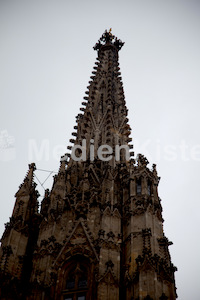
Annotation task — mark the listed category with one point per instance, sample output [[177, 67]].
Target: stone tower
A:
[[99, 232]]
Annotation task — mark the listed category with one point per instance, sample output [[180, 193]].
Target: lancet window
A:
[[77, 282], [138, 186], [149, 187]]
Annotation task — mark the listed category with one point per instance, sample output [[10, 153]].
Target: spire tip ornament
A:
[[108, 39]]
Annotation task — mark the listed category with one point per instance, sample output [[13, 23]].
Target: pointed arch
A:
[[139, 186], [76, 279]]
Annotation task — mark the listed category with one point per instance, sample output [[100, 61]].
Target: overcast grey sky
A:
[[46, 59]]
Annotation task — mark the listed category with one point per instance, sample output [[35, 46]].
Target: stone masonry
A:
[[99, 232]]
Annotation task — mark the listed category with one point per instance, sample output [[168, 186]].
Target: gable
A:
[[78, 243]]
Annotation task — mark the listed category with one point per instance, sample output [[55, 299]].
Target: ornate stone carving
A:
[[108, 38], [106, 212], [109, 264]]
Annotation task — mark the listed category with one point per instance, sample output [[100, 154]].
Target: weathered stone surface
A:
[[99, 233]]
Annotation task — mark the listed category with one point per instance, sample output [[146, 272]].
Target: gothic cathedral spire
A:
[[99, 233], [104, 120]]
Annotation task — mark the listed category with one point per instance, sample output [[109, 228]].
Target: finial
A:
[[108, 38], [32, 166], [142, 160]]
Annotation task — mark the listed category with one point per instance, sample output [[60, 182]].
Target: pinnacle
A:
[[108, 39], [30, 174], [28, 180], [103, 117]]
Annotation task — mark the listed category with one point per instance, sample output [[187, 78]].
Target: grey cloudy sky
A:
[[46, 59]]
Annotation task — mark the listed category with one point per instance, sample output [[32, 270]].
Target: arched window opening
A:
[[149, 188], [138, 186], [71, 282], [76, 283]]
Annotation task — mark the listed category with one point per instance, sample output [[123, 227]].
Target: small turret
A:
[[16, 247]]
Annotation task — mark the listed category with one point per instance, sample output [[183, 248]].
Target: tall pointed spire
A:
[[100, 227], [104, 120]]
